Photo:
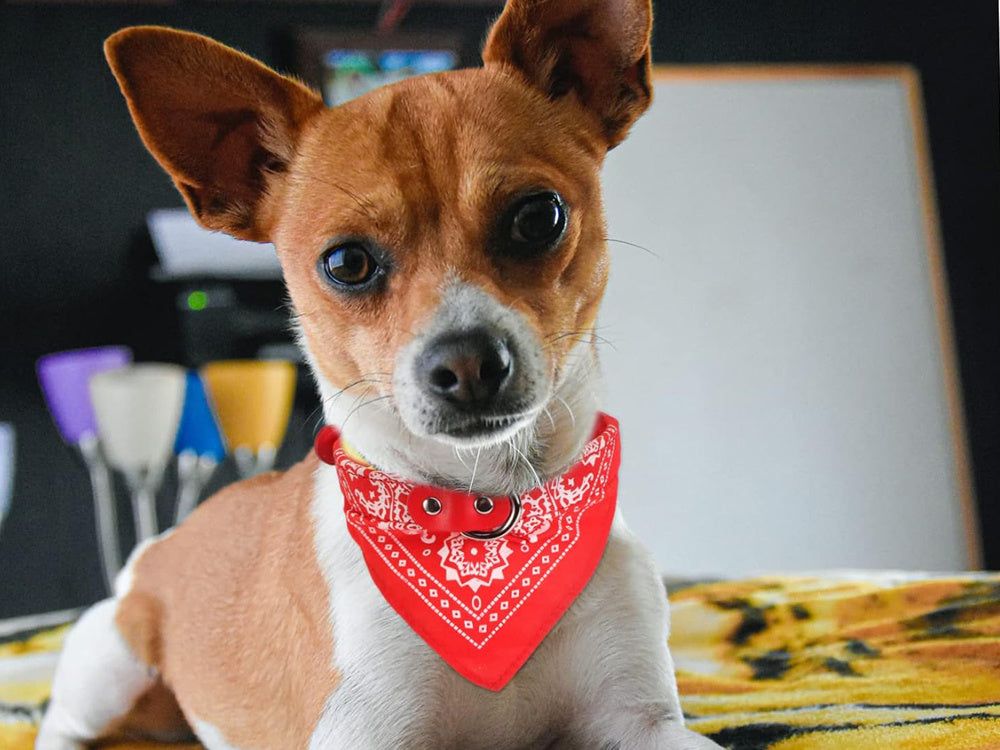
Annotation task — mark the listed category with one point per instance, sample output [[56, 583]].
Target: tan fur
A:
[[242, 612], [155, 714]]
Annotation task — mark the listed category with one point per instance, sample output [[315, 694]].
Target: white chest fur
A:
[[608, 654]]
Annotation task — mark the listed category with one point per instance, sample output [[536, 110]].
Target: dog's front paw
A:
[[652, 728], [682, 738], [653, 725], [672, 737], [50, 741]]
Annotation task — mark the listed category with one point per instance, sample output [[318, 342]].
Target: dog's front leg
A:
[[634, 709], [625, 692], [97, 682]]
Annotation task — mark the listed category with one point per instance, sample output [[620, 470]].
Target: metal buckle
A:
[[499, 531]]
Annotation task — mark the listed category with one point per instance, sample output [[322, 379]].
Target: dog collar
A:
[[436, 509], [482, 579]]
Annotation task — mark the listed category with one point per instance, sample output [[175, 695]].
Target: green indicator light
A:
[[197, 301]]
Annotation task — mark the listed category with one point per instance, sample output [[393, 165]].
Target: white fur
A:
[[95, 662]]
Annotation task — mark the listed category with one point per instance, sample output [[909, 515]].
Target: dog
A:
[[443, 243]]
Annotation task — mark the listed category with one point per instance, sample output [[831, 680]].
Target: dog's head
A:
[[442, 238]]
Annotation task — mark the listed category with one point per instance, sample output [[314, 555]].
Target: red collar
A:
[[435, 508], [483, 601]]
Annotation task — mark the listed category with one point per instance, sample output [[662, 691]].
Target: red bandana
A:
[[483, 604]]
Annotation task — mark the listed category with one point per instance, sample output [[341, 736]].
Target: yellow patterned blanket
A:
[[838, 662], [856, 662]]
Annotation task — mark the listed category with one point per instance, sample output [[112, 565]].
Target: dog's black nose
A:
[[467, 368]]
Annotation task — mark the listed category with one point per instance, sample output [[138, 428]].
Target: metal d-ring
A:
[[499, 531]]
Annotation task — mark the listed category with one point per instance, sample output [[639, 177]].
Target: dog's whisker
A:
[[538, 479], [578, 330], [330, 400], [635, 245], [547, 413], [475, 466], [373, 378], [458, 455], [590, 341], [360, 406], [354, 404], [584, 337], [569, 410], [316, 413]]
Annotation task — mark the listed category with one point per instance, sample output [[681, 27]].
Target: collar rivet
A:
[[484, 505], [431, 506]]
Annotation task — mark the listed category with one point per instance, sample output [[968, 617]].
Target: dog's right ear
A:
[[222, 125]]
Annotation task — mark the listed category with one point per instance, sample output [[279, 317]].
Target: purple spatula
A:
[[64, 377]]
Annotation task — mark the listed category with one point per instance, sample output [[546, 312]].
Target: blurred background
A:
[[89, 257]]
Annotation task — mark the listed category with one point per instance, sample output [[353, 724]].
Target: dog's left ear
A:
[[598, 49]]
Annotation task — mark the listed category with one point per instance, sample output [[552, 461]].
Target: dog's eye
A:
[[535, 223], [349, 264]]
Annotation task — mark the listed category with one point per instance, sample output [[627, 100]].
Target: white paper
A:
[[185, 249]]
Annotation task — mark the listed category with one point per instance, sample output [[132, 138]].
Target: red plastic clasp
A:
[[326, 442]]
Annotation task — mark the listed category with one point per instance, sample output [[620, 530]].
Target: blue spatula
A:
[[198, 446]]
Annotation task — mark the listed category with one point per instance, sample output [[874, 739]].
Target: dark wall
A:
[[75, 184]]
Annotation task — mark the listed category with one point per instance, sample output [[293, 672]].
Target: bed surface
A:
[[838, 661], [842, 661]]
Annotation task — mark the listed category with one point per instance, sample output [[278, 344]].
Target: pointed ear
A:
[[221, 124], [598, 49]]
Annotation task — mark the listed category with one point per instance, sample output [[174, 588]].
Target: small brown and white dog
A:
[[444, 247]]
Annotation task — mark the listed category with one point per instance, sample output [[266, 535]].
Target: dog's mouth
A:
[[482, 430]]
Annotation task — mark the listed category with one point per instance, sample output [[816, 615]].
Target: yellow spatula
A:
[[252, 401]]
